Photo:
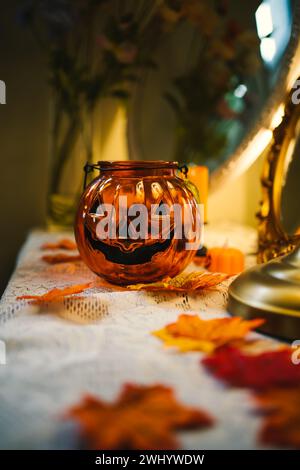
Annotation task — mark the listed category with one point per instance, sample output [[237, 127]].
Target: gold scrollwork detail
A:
[[273, 240]]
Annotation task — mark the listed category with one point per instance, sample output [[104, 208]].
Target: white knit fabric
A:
[[52, 361]]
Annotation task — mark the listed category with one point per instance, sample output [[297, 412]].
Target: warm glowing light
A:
[[259, 144], [255, 148], [277, 117], [294, 72], [113, 143], [288, 160], [268, 49]]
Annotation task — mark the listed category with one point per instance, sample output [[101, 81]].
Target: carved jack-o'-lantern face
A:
[[134, 222]]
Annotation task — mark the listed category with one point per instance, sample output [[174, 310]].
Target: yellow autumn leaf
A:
[[185, 282], [191, 333]]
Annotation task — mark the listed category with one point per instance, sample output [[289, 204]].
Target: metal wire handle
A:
[[184, 169], [89, 168]]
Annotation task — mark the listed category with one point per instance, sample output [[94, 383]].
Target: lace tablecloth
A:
[[52, 361]]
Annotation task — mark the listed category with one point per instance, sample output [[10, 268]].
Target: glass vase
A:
[[71, 146]]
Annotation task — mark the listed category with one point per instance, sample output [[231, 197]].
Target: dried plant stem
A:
[[64, 153]]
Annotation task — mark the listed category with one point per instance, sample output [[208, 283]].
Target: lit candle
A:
[[199, 176], [225, 260]]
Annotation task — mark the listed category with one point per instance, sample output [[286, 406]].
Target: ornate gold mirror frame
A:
[[274, 241], [272, 290], [257, 140], [258, 137]]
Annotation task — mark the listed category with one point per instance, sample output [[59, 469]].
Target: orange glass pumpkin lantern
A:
[[137, 222]]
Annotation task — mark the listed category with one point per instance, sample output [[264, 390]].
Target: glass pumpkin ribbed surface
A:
[[128, 255]]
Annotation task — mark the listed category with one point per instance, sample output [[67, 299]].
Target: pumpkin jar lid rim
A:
[[136, 165]]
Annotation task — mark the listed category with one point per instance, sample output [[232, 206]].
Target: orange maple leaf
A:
[[55, 295], [191, 333], [143, 417], [64, 268], [63, 244], [60, 258], [282, 421], [186, 282]]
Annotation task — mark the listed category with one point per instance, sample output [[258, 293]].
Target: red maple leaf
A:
[[260, 371]]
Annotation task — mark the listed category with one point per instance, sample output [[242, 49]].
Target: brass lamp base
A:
[[270, 291]]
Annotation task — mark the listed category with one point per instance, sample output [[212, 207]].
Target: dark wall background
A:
[[23, 137], [24, 144]]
